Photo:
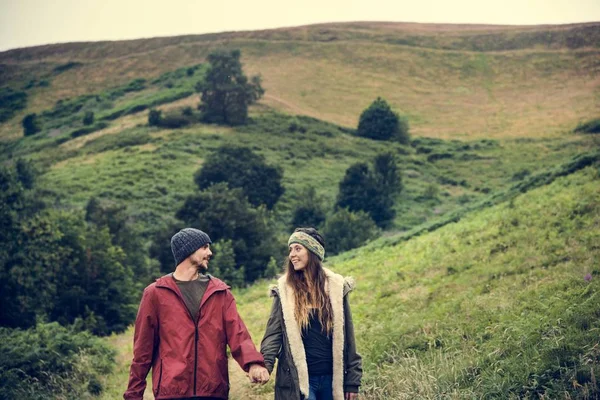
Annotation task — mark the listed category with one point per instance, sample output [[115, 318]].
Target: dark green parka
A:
[[283, 341]]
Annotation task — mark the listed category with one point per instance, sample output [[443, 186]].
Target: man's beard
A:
[[201, 268]]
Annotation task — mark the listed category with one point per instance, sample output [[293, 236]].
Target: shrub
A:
[[67, 66], [51, 361], [379, 122], [89, 129], [11, 101], [154, 117], [346, 230], [592, 126], [88, 118], [31, 125], [241, 168]]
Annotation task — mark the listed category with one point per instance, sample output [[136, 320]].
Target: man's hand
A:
[[258, 374], [350, 396]]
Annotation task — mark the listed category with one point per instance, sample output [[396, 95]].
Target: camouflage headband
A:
[[309, 242]]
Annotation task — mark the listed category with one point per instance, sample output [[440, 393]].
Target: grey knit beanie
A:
[[186, 242]]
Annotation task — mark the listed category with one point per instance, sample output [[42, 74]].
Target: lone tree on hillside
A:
[[226, 91], [380, 122]]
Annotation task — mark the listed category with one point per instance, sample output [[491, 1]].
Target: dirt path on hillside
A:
[[291, 107]]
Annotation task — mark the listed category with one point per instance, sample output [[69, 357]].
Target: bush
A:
[[50, 362], [11, 101], [88, 118], [379, 122], [346, 230], [241, 168], [154, 117], [175, 120], [89, 129], [67, 66], [225, 214], [31, 125], [592, 126]]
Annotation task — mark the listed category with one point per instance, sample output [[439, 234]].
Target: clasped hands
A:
[[258, 374]]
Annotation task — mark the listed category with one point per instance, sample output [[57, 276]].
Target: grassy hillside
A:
[[477, 290], [451, 81], [497, 305]]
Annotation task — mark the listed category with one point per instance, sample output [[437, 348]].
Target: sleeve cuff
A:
[[351, 389]]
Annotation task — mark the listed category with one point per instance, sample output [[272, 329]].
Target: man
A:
[[184, 323]]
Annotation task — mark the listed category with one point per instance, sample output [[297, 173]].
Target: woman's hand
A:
[[258, 374], [350, 396]]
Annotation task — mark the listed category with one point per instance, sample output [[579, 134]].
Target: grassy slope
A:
[[462, 292], [451, 81], [494, 305], [151, 170]]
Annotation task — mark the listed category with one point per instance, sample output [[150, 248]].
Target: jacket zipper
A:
[[196, 351]]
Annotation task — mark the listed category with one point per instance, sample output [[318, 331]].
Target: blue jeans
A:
[[320, 387]]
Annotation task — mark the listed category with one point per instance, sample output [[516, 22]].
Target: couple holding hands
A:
[[187, 319]]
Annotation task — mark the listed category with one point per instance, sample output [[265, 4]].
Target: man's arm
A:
[[145, 340], [238, 337]]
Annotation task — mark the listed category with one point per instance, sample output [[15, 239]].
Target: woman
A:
[[310, 328]]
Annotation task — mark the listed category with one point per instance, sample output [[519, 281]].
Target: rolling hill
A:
[[485, 286]]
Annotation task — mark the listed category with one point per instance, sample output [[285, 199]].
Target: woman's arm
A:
[[272, 341], [353, 360]]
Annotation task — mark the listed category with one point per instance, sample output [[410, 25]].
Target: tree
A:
[[241, 168], [346, 230], [371, 191], [31, 125], [225, 214], [309, 211], [225, 91], [103, 213], [380, 122], [223, 264]]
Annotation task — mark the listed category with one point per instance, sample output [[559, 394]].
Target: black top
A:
[[318, 348], [192, 292]]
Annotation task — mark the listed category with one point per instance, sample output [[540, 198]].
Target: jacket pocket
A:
[[160, 372], [283, 378]]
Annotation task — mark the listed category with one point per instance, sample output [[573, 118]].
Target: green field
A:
[[478, 289]]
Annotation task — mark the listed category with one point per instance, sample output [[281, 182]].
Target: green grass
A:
[[495, 306], [152, 170]]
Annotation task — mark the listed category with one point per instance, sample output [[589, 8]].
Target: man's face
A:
[[200, 257], [298, 256]]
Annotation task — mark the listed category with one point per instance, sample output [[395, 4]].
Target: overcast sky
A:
[[33, 22]]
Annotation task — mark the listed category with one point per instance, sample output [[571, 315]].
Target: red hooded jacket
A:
[[187, 359]]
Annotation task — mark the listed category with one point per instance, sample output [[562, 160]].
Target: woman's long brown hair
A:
[[310, 293]]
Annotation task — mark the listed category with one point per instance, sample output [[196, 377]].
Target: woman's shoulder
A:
[[349, 284], [347, 281]]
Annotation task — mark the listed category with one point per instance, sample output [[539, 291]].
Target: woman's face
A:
[[298, 256]]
